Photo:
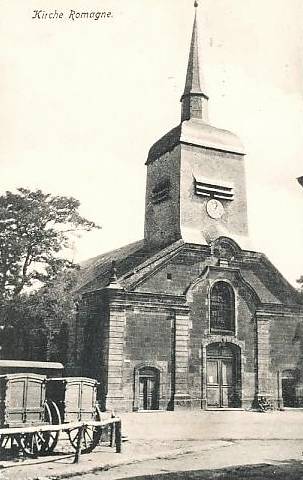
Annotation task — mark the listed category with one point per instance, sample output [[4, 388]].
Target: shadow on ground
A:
[[290, 470]]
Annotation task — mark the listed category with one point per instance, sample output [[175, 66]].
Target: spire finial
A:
[[113, 280], [196, 4], [113, 273]]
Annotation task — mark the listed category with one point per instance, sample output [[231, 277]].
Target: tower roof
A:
[[194, 99], [194, 82], [194, 128], [196, 133]]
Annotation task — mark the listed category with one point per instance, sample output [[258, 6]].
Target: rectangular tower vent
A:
[[214, 189], [161, 191]]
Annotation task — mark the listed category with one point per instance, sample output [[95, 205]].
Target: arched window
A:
[[222, 308]]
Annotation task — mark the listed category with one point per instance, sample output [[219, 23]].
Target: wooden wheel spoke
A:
[[41, 437], [89, 441], [35, 446], [28, 441], [32, 443], [49, 442], [76, 435], [3, 441], [87, 434]]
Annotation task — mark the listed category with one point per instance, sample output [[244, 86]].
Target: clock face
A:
[[214, 208]]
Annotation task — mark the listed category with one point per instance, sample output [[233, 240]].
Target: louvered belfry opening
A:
[[161, 191], [214, 189]]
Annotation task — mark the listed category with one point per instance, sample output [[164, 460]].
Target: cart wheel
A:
[[51, 416], [32, 443], [91, 436]]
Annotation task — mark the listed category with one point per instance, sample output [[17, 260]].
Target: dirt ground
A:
[[232, 460], [292, 470], [183, 445]]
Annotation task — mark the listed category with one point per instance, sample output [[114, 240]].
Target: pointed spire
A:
[[194, 100], [192, 83]]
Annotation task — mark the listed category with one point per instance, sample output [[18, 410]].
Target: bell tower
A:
[[195, 188]]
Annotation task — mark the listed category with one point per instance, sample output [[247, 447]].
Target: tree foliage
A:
[[34, 228], [37, 324], [37, 282]]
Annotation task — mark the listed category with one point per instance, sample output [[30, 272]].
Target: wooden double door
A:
[[222, 376]]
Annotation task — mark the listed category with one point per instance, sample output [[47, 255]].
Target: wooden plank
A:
[[57, 428], [118, 437]]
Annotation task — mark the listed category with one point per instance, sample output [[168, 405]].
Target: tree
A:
[[37, 282], [39, 323], [34, 228]]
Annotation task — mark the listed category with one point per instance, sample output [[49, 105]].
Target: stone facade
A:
[[159, 316]]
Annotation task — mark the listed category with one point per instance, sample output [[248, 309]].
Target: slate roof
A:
[[97, 271], [132, 263], [263, 293], [135, 262], [278, 284], [199, 133], [194, 82]]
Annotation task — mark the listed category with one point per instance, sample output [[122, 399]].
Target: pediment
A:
[[226, 248]]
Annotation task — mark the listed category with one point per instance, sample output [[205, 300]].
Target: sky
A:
[[82, 101]]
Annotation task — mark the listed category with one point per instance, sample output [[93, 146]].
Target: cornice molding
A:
[[236, 271], [271, 310], [148, 301]]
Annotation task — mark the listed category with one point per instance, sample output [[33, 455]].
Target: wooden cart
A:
[[22, 405], [35, 409], [74, 399]]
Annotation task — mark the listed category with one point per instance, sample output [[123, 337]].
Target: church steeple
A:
[[194, 100], [195, 188]]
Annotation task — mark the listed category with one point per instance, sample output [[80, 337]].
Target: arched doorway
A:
[[223, 375], [149, 388], [289, 380]]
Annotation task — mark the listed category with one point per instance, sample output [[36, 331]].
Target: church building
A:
[[190, 316]]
